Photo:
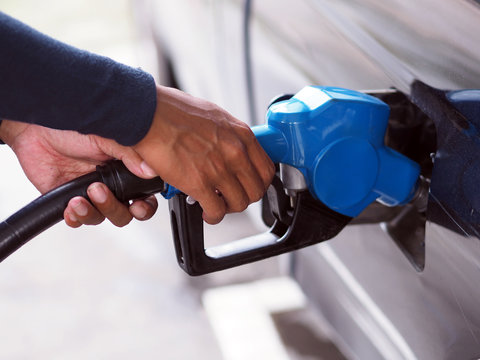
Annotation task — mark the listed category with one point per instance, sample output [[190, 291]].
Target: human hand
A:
[[204, 151], [50, 158]]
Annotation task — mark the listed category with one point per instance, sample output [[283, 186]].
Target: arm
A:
[[192, 144], [49, 83], [52, 84]]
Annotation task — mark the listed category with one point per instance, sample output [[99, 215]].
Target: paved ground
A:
[[108, 293]]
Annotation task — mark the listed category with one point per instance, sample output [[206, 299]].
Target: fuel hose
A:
[[47, 210]]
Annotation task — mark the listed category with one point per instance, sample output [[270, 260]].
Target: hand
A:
[[50, 158], [204, 151]]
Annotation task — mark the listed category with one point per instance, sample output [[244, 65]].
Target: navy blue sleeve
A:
[[49, 83]]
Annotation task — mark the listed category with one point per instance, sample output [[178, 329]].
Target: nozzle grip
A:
[[312, 223], [125, 185]]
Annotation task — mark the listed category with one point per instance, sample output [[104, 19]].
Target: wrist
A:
[[9, 130], [154, 134]]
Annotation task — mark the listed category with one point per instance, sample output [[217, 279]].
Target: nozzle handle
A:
[[312, 222]]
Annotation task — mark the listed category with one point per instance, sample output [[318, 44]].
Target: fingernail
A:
[[141, 212], [147, 170], [72, 217], [97, 193], [79, 207]]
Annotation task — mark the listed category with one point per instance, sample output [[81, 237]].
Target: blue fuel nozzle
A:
[[335, 138]]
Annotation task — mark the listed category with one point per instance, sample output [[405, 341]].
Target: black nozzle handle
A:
[[313, 222], [47, 210]]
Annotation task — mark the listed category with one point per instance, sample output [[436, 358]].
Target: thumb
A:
[[136, 165], [132, 160]]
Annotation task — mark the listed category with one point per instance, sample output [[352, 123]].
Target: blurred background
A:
[[108, 293]]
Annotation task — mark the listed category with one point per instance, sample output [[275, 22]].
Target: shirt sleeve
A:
[[49, 83]]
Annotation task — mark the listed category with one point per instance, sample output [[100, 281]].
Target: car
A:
[[397, 283]]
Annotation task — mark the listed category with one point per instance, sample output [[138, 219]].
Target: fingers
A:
[[263, 166], [144, 209], [108, 205], [200, 149], [214, 207], [81, 212], [239, 186], [127, 155], [251, 168], [263, 163]]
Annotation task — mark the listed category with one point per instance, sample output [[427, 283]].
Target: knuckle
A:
[[215, 216], [236, 151], [240, 205], [234, 148], [218, 212], [214, 207], [214, 111], [257, 196], [245, 132]]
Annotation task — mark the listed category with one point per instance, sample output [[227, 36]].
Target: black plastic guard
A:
[[312, 223]]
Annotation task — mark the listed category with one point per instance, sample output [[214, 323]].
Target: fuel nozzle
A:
[[335, 138], [329, 145]]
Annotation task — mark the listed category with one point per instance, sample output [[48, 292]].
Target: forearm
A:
[[46, 82]]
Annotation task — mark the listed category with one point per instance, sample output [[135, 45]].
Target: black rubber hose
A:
[[47, 210]]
